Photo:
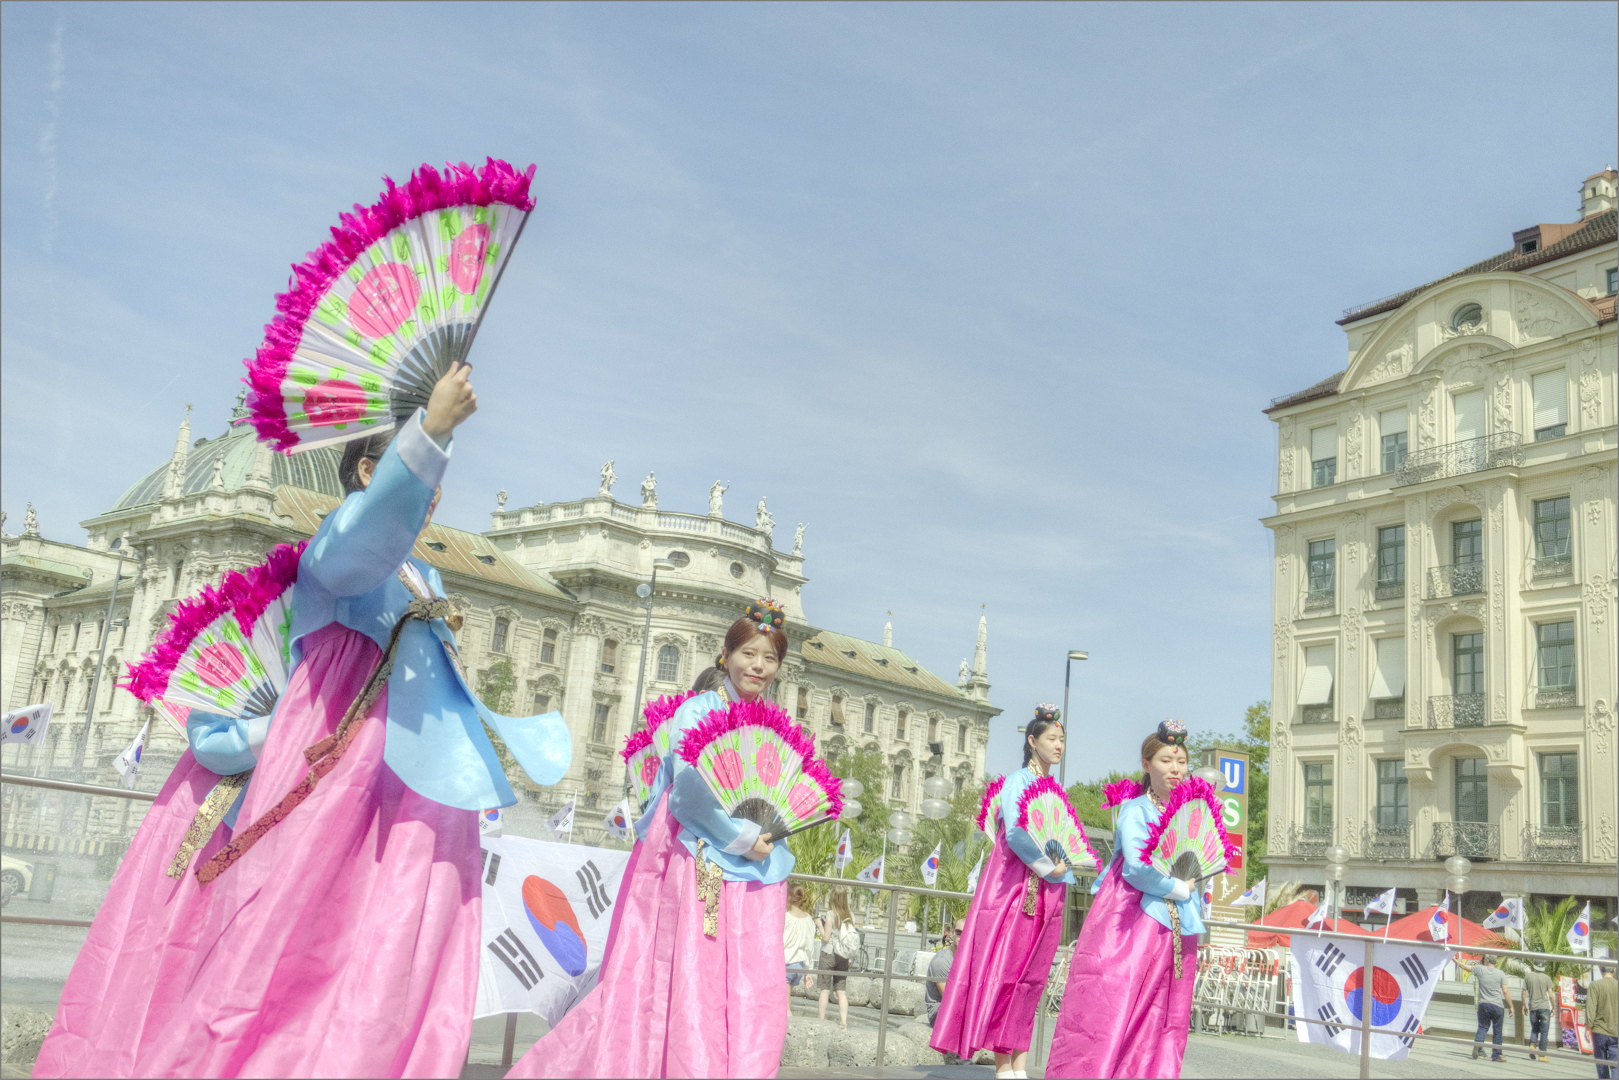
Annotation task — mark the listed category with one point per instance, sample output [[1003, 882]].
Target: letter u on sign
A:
[[1235, 772]]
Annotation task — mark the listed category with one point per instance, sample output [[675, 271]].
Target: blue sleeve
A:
[[221, 744], [1130, 838], [695, 807], [370, 535], [1019, 840]]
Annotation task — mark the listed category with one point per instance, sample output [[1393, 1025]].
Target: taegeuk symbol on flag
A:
[[1332, 984], [26, 725]]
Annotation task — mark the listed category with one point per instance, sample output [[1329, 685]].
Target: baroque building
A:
[[1444, 675], [552, 620]]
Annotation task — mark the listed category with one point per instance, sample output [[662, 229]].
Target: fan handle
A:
[[801, 828]]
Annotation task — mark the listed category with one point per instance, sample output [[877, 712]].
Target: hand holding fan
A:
[[225, 651], [1189, 840], [761, 766], [382, 311], [1045, 813], [645, 749]]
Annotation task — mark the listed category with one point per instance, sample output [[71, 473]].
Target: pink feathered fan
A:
[[1189, 840], [762, 766], [644, 751]]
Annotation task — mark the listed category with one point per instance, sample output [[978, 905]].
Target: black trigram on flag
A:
[[1411, 1024], [493, 863], [515, 955], [1329, 1013], [1414, 969], [1328, 959], [590, 880]]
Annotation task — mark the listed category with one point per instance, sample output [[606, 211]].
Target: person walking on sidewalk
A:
[[1493, 1001], [1602, 1021], [1537, 998]]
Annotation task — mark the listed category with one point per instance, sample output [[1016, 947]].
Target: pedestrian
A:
[[839, 936], [1494, 999], [939, 970], [1014, 920], [1128, 1002], [1537, 998], [797, 936], [1602, 1021]]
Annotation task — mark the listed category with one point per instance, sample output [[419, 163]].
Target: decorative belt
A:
[[325, 754], [1031, 891], [709, 880], [209, 815], [1175, 929]]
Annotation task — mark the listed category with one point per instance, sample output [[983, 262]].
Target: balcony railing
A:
[[1387, 841], [1317, 714], [1318, 599], [1310, 841], [1390, 590], [1392, 708], [1459, 579], [1555, 697], [1469, 839], [1553, 566], [1458, 710], [1552, 843], [1459, 458]]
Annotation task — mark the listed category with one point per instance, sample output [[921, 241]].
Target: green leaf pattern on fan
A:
[[754, 762], [434, 271], [1050, 819], [1190, 829]]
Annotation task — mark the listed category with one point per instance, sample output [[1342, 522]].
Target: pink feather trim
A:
[[990, 794], [427, 190], [1120, 792], [1040, 787], [656, 712], [637, 742], [766, 714], [1189, 789]]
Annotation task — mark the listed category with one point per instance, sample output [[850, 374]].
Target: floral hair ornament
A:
[[768, 614], [1172, 733], [1047, 711]]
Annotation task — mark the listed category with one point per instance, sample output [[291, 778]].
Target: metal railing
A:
[[1458, 710], [1457, 579], [1459, 458], [1553, 843], [1386, 841], [1552, 566], [1319, 599], [1555, 697], [1310, 841], [1469, 839], [1316, 714], [1388, 708], [1389, 590]]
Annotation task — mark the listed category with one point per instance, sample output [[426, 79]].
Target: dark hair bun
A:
[[1047, 712], [1172, 733]]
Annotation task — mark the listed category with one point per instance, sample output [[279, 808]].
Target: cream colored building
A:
[[1444, 667], [549, 588]]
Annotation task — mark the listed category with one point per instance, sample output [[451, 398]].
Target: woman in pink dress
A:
[[1013, 922], [1128, 1003], [693, 985]]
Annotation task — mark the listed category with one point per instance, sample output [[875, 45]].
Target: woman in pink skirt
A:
[[692, 985], [1127, 1006], [1013, 922]]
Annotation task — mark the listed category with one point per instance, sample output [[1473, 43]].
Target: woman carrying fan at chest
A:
[[692, 981], [1013, 923], [1128, 1001]]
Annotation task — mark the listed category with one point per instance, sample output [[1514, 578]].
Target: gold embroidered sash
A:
[[709, 880], [207, 819]]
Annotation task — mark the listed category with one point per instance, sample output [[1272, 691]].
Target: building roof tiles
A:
[[873, 661]]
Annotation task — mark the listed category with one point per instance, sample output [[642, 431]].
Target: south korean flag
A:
[[1332, 983], [27, 725]]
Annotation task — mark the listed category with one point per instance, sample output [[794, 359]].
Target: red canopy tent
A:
[[1293, 916]]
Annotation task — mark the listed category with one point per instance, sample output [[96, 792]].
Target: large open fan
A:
[[378, 314], [986, 807], [762, 767], [225, 651], [1189, 840], [645, 749], [1045, 813]]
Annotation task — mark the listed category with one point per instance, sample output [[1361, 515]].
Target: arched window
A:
[[871, 717], [899, 725], [609, 656], [961, 737], [668, 664], [548, 647], [803, 703], [898, 789], [933, 729], [498, 642]]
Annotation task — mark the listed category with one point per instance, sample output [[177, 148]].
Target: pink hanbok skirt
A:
[[141, 951], [1002, 961], [345, 942], [1123, 1011], [672, 1001]]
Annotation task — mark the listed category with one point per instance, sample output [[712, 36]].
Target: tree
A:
[[1255, 740]]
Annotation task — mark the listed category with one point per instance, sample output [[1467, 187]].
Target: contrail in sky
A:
[[47, 150]]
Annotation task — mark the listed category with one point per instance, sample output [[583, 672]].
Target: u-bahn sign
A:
[[1233, 795]]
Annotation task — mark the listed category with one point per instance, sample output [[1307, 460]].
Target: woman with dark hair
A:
[[343, 923], [1128, 1003], [1013, 922], [704, 903]]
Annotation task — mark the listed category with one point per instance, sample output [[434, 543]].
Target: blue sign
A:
[[1235, 771]]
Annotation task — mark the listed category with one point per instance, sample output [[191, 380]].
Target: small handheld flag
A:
[[845, 853], [930, 865], [129, 761], [972, 878], [562, 821], [872, 873], [1318, 917], [26, 725], [1509, 915], [1254, 897], [1579, 935], [490, 823], [1438, 928], [1384, 903], [617, 821]]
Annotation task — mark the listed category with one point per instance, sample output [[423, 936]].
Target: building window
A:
[[1559, 789], [1391, 561], [933, 729], [1556, 655], [1393, 803], [961, 738], [899, 725], [1315, 693], [1318, 795], [1394, 441], [1388, 679], [1468, 414], [737, 570], [1467, 663], [1550, 391], [56, 636], [1467, 542], [1472, 790], [871, 718], [123, 631], [803, 703], [961, 782], [609, 656], [1613, 280], [75, 646], [1552, 530], [837, 710], [548, 647], [680, 559], [497, 643], [1323, 570], [898, 790], [1468, 315], [1323, 457], [542, 703], [668, 664], [598, 723]]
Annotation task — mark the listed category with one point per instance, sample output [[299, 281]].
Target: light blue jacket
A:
[[349, 574], [693, 805], [1019, 840], [1136, 819]]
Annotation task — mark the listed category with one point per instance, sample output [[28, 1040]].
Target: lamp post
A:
[[95, 680], [644, 591], [1336, 871], [1067, 676]]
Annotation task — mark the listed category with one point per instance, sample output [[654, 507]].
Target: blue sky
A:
[[991, 296]]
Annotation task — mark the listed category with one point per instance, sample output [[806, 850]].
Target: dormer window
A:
[[1469, 316], [1529, 245]]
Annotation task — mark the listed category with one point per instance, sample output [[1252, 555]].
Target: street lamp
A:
[[1067, 676], [1336, 858], [95, 680], [644, 591]]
